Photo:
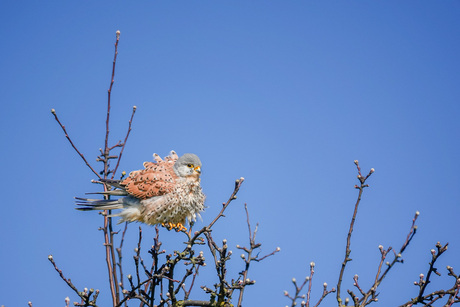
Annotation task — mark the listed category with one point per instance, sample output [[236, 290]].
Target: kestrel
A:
[[166, 192]]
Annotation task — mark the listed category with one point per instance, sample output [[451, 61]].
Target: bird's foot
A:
[[177, 227]]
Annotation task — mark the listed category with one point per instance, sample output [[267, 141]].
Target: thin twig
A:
[[187, 294], [108, 231], [238, 184], [109, 92], [312, 271], [53, 111], [350, 231], [124, 142], [120, 257], [84, 295]]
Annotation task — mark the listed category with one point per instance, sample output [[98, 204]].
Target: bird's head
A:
[[189, 165]]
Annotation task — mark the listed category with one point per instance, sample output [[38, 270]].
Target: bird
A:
[[166, 192]]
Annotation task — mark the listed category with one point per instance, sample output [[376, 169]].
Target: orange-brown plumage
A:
[[154, 180], [165, 191]]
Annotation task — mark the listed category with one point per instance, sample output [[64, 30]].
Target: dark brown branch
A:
[[249, 257], [325, 293], [109, 92], [84, 295], [423, 283], [120, 257], [238, 184], [108, 253], [187, 294], [68, 282], [350, 231], [312, 271], [434, 256], [108, 231], [124, 142], [73, 145]]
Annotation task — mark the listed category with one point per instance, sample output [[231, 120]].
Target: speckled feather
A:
[[162, 192], [155, 180]]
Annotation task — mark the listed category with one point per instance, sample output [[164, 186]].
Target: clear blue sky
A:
[[284, 93]]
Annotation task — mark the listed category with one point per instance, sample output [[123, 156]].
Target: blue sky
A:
[[284, 93]]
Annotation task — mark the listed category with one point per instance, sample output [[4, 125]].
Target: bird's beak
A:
[[198, 169]]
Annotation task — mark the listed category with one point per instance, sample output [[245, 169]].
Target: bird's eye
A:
[[190, 165]]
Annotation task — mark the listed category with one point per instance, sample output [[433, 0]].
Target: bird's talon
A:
[[177, 227]]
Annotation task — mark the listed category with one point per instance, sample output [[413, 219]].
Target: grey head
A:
[[188, 165]]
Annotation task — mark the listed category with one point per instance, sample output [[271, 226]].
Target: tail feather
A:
[[111, 193], [114, 183], [98, 204]]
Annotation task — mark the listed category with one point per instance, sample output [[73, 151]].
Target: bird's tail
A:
[[98, 204], [118, 189]]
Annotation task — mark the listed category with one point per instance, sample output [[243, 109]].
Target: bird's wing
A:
[[157, 178]]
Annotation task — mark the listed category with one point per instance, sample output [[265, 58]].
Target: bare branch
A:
[[73, 145], [350, 231], [84, 295], [124, 142]]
